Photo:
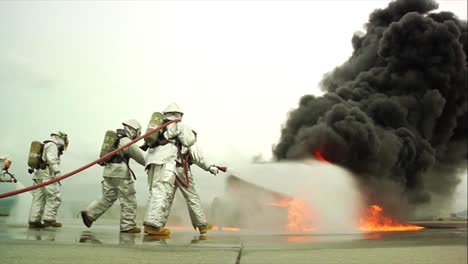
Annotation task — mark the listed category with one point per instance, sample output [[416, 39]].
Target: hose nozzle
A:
[[223, 169]]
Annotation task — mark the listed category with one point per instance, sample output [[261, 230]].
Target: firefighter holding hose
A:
[[161, 166], [118, 182], [168, 167], [46, 200]]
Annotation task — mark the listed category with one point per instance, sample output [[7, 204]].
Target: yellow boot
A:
[[157, 231], [205, 228]]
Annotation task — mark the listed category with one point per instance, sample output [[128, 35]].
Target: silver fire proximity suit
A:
[[118, 183], [194, 205], [46, 200], [161, 164]]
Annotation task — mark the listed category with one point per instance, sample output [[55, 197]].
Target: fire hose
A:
[[185, 165], [103, 158]]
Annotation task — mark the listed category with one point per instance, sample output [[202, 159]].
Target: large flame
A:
[[375, 220], [300, 217]]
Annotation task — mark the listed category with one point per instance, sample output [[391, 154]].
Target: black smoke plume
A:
[[396, 111]]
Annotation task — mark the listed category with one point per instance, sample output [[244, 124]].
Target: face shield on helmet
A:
[[132, 128], [172, 115], [61, 139], [172, 112]]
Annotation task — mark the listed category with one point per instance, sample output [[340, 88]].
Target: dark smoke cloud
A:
[[396, 111]]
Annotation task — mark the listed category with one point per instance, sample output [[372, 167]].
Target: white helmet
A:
[[133, 123], [60, 138], [173, 108]]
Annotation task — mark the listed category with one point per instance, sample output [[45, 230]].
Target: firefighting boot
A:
[[132, 230], [152, 238], [205, 228], [52, 224], [37, 224], [87, 221], [157, 231], [198, 239]]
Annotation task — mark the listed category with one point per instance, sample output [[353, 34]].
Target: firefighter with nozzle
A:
[[163, 151], [44, 163], [6, 176], [167, 151], [118, 182]]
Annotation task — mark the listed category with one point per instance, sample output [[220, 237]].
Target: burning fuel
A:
[[375, 220], [300, 218], [315, 197]]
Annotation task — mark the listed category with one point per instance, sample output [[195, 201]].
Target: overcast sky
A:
[[236, 69]]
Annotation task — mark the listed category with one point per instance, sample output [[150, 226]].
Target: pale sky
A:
[[235, 67]]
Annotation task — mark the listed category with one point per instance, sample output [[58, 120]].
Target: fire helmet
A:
[[173, 108], [133, 123], [63, 136]]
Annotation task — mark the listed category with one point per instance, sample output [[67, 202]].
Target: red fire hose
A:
[[185, 165], [103, 158]]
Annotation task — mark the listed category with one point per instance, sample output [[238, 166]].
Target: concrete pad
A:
[[414, 255], [74, 243], [51, 253]]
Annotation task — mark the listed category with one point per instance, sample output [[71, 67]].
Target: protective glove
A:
[[213, 170]]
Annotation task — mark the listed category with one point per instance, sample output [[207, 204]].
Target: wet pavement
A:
[[441, 242]]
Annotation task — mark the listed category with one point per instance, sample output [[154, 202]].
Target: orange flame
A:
[[319, 156], [299, 215], [226, 229], [215, 228], [375, 220], [300, 218]]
